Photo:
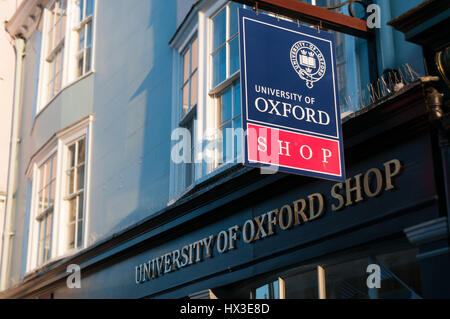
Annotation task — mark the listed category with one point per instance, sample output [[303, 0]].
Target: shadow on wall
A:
[[131, 159], [153, 188]]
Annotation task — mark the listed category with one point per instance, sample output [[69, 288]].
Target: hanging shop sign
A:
[[290, 105], [372, 183]]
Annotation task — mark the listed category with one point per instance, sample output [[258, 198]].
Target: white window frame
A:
[[50, 149], [212, 105], [70, 43], [58, 145], [73, 134]]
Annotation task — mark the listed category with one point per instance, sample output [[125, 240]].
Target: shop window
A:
[[268, 291], [302, 284], [399, 278]]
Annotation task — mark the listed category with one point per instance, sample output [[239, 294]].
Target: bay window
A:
[[189, 93], [67, 50], [58, 211], [225, 88], [207, 97]]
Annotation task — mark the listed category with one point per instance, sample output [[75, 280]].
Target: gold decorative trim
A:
[[440, 67]]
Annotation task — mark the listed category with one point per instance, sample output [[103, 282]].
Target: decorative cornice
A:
[[26, 18], [204, 294], [426, 24], [428, 232]]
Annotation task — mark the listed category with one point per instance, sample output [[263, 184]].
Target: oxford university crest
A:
[[308, 61]]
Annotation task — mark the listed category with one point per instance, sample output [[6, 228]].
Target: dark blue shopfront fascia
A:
[[412, 200]]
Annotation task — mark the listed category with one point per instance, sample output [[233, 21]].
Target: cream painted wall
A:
[[7, 63]]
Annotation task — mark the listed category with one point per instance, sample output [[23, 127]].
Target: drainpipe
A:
[[8, 230]]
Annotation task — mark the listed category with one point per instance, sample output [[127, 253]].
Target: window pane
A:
[[194, 88], [56, 84], [237, 137], [194, 58], [81, 9], [48, 237], [70, 181], [80, 177], [262, 292], [72, 204], [71, 236], [219, 27], [237, 99], [219, 66], [276, 288], [40, 201], [63, 5], [347, 280], [71, 156], [186, 98], [302, 286], [89, 7], [80, 207], [89, 34], [400, 275], [225, 106], [41, 240], [227, 150], [42, 177], [63, 24], [81, 151], [87, 66], [234, 18], [50, 39], [53, 168], [81, 45], [234, 55], [48, 228], [186, 70], [45, 196], [80, 234], [52, 193], [47, 172], [80, 64], [189, 167]]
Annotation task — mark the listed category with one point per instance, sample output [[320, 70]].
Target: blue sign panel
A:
[[290, 104]]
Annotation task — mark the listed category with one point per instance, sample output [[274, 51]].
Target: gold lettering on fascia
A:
[[367, 185]]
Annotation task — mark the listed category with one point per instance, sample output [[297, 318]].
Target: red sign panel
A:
[[293, 150]]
